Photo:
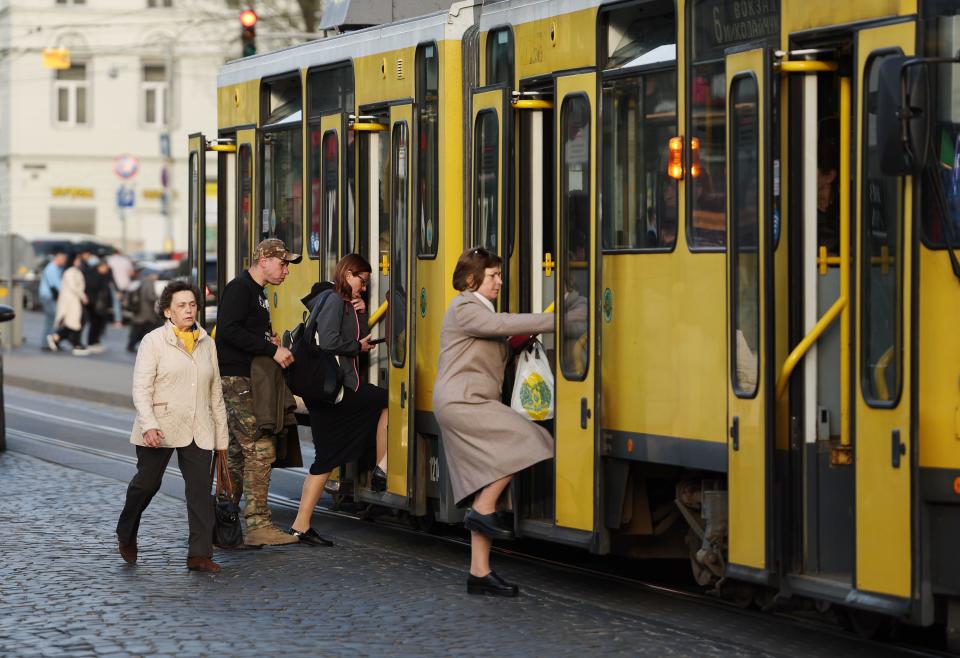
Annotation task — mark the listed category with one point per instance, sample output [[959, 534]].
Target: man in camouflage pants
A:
[[243, 332]]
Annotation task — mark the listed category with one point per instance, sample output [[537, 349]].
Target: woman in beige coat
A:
[[485, 441], [70, 303], [176, 390]]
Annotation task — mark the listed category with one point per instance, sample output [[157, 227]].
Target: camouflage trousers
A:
[[250, 456]]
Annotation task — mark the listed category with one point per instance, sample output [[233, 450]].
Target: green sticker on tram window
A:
[[607, 305], [423, 302]]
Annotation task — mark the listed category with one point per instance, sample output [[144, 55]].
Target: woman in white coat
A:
[[70, 303], [179, 401]]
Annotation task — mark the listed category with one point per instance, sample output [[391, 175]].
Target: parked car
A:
[[166, 271], [6, 314]]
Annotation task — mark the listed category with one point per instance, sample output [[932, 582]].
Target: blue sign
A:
[[126, 196], [165, 145]]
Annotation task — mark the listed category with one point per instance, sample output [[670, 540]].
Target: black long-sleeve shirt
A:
[[243, 326]]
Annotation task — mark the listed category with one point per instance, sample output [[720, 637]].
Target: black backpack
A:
[[314, 374]]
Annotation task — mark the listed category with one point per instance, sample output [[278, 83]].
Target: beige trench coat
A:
[[483, 439], [71, 299], [179, 393]]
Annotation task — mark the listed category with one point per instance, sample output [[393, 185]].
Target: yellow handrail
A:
[[377, 315], [532, 105], [845, 219], [222, 148], [804, 345], [880, 374], [369, 127], [800, 66]]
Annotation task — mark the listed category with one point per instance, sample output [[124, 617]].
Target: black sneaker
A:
[[311, 537], [378, 480]]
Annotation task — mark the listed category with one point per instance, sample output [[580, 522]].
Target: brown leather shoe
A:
[[128, 551], [202, 563]]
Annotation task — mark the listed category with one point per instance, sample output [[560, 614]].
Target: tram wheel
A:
[[868, 625]]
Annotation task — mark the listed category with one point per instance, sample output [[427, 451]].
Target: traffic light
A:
[[248, 37]]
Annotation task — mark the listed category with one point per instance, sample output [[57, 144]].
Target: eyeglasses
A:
[[364, 281]]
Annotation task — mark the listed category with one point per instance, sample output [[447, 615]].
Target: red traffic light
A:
[[248, 18]]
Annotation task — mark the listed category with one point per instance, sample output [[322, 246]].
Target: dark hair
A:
[[166, 297], [473, 263], [352, 263]]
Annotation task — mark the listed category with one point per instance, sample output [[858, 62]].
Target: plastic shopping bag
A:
[[533, 386]]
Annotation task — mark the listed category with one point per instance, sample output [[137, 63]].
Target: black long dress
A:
[[346, 431]]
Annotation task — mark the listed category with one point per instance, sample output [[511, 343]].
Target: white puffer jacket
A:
[[179, 393]]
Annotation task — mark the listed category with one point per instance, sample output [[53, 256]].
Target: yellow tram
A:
[[757, 200]]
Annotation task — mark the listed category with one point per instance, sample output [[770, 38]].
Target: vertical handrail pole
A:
[[845, 221]]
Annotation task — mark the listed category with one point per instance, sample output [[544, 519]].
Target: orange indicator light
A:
[[630, 446], [675, 164], [956, 485]]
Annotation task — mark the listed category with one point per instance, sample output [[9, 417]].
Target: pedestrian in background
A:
[[100, 306], [485, 441], [143, 305], [70, 305], [122, 270], [49, 291], [350, 429], [179, 401], [243, 332]]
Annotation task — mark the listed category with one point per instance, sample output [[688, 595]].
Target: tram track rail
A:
[[50, 447]]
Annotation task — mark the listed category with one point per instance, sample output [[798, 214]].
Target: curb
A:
[[79, 392]]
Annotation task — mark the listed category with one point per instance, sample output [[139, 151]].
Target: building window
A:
[[70, 89], [71, 2], [158, 3], [155, 90]]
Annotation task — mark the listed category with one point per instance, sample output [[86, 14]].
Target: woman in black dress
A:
[[345, 431]]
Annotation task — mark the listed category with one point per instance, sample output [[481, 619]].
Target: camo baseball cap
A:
[[274, 247]]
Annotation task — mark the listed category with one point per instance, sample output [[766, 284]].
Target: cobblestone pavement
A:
[[65, 592]]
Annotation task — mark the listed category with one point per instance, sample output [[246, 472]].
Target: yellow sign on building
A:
[[72, 192], [56, 58]]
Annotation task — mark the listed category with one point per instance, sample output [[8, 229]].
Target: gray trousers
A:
[[194, 464]]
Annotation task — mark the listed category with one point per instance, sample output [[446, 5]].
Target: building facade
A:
[[141, 76]]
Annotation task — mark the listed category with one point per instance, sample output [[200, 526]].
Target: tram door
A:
[[749, 451], [576, 365], [490, 201], [885, 450], [400, 379], [197, 213]]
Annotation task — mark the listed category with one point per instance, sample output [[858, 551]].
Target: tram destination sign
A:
[[720, 24]]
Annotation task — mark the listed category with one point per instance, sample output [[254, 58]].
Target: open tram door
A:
[[749, 330], [197, 215], [400, 342], [490, 180], [577, 276], [885, 450]]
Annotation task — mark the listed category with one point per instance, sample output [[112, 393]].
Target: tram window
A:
[[330, 89], [639, 199], [245, 205], [575, 237], [330, 150], [500, 56], [945, 147], [349, 232], [315, 230], [283, 188], [428, 163], [398, 293], [881, 261], [486, 167], [707, 221], [639, 34], [744, 240]]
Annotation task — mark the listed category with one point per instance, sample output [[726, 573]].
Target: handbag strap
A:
[[221, 473]]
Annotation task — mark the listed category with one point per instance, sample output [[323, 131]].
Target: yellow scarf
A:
[[188, 337]]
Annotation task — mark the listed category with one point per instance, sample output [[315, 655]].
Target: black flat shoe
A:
[[378, 480], [486, 524], [311, 537], [491, 584]]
